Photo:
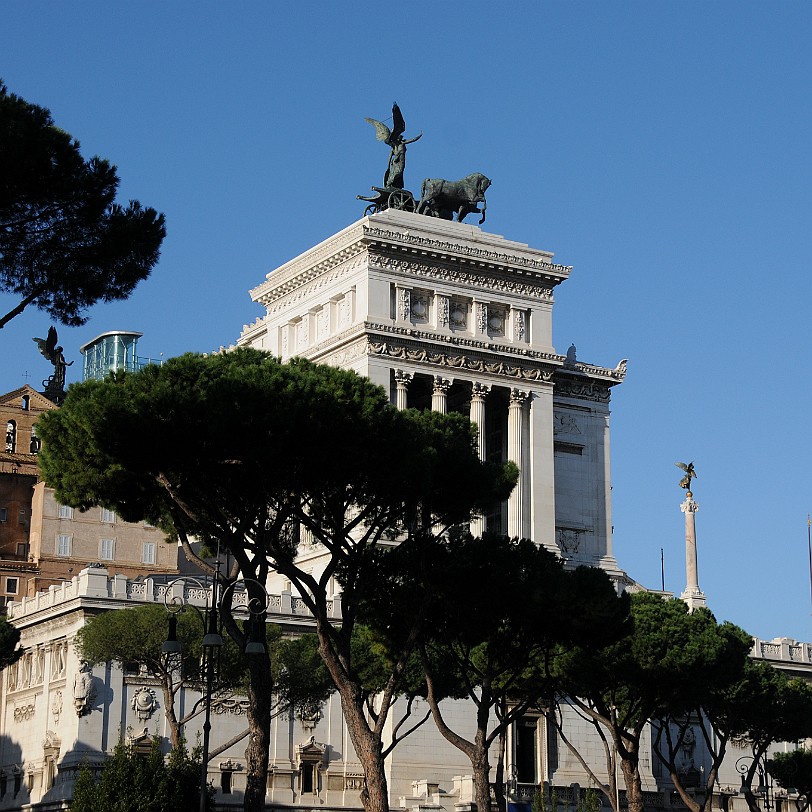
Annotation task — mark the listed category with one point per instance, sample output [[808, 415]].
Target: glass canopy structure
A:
[[110, 352]]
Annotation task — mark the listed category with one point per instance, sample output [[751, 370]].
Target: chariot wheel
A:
[[370, 210], [401, 199]]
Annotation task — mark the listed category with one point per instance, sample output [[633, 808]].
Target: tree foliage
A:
[[793, 770], [133, 781], [9, 642], [64, 241], [665, 669], [500, 610], [262, 457]]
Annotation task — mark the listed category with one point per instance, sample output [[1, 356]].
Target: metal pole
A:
[[204, 768]]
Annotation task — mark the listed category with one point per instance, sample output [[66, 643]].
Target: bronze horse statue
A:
[[445, 198]]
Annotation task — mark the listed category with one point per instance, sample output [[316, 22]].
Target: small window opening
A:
[[11, 436]]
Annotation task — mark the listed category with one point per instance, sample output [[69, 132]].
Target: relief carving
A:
[[56, 705], [144, 703], [404, 304], [565, 424]]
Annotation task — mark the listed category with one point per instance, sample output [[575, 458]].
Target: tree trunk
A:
[[499, 783], [169, 711], [482, 775], [630, 765], [259, 736], [368, 748]]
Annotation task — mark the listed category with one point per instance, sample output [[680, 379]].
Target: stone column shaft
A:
[[516, 453], [479, 392], [402, 381], [692, 595]]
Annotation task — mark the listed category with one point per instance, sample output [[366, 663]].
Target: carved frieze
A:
[[583, 390], [465, 341], [232, 705], [22, 713], [461, 362], [463, 275], [345, 355]]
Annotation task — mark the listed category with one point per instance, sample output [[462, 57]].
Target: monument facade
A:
[[446, 316]]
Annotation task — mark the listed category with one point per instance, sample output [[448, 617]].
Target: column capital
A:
[[689, 506], [403, 378], [480, 390], [441, 385], [519, 397]]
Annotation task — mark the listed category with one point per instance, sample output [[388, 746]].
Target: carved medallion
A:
[[144, 703]]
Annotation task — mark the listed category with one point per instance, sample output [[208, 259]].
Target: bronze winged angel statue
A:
[[685, 482], [55, 385], [393, 179]]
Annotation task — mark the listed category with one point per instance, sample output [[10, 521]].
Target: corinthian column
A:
[[402, 381], [692, 595], [439, 394], [479, 391], [516, 453]]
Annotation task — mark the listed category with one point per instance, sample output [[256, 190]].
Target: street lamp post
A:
[[744, 766], [212, 642]]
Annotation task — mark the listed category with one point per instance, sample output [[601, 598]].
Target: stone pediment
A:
[[311, 751]]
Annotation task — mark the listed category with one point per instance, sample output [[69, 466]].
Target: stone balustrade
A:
[[784, 649], [95, 583]]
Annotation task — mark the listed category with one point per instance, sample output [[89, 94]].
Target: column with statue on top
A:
[[692, 595]]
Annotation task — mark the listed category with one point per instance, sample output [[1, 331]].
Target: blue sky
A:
[[660, 148]]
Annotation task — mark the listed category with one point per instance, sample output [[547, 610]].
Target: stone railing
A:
[[95, 582], [784, 649]]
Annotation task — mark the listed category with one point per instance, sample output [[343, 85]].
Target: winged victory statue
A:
[[690, 474]]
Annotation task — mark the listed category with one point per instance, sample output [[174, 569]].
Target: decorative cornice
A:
[[445, 249], [302, 270], [413, 352], [474, 344], [464, 275]]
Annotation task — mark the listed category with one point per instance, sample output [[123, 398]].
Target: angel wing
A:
[[48, 345], [398, 124], [689, 468], [382, 132]]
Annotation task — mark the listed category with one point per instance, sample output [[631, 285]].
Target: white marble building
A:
[[444, 316]]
